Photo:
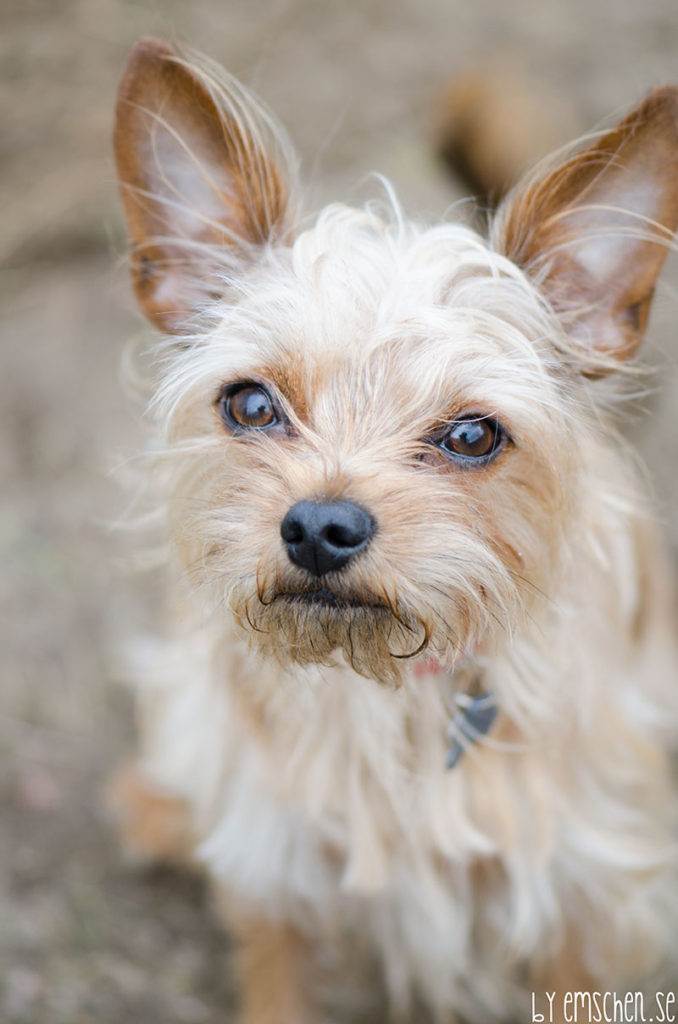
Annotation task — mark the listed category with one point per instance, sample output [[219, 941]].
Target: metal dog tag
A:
[[469, 725]]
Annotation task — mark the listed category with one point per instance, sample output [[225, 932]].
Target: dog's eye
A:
[[248, 406], [473, 438]]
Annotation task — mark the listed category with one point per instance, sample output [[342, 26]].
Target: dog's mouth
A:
[[323, 597], [315, 624]]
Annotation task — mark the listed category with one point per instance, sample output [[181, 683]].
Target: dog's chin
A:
[[319, 625]]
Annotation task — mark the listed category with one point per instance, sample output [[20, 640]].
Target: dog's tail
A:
[[494, 124]]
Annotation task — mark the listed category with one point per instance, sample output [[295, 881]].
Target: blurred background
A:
[[84, 939]]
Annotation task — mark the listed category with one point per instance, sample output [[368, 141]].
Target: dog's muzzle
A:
[[323, 536]]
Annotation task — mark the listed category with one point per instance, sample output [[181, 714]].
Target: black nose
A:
[[322, 536]]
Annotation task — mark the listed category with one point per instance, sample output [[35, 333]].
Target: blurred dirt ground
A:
[[83, 938]]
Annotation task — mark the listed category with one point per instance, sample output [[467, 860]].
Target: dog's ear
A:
[[200, 166], [595, 231]]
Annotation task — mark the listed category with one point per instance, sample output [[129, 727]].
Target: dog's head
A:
[[380, 435]]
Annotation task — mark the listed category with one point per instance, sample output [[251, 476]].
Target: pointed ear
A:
[[595, 231], [200, 166]]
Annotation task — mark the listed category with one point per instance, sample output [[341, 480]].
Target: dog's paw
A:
[[153, 825]]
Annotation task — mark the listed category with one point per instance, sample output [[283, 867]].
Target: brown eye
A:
[[249, 407], [472, 438]]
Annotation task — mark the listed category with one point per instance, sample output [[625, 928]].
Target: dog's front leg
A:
[[153, 825], [554, 988], [274, 972]]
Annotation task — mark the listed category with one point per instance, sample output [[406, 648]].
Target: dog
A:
[[416, 711]]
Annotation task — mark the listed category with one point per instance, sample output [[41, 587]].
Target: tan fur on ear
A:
[[595, 231], [200, 164]]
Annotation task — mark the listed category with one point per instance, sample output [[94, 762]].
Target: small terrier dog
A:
[[417, 712]]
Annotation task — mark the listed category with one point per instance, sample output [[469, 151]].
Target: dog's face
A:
[[381, 456], [379, 432]]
